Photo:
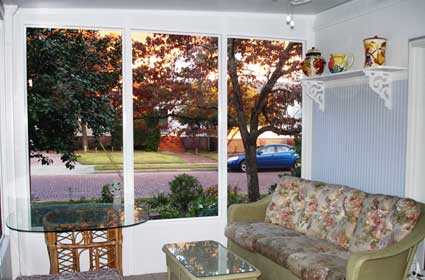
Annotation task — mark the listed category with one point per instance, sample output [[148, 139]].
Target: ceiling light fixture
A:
[[290, 20]]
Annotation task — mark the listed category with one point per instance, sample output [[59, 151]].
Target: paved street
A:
[[66, 186]]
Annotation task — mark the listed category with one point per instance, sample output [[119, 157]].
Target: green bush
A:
[[234, 197], [272, 188], [106, 195], [161, 199], [298, 145], [169, 212], [146, 134], [184, 190]]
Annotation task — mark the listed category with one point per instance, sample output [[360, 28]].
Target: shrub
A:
[[158, 200], [272, 188], [233, 196], [184, 190], [106, 195], [169, 212]]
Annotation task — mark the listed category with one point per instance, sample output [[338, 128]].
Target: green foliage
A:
[[298, 145], [146, 134], [272, 188], [159, 200], [184, 190], [206, 204], [72, 74], [169, 212], [106, 195], [234, 197]]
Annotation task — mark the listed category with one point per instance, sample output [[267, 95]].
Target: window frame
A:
[[14, 125]]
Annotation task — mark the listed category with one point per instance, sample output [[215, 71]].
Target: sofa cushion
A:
[[332, 213], [287, 206], [247, 234], [318, 266], [280, 248], [384, 220]]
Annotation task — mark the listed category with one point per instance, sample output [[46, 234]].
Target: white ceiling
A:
[[261, 6]]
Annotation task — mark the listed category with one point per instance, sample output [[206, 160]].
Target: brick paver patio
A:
[[66, 187]]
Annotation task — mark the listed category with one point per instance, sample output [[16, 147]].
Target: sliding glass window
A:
[[74, 106], [264, 119], [175, 105]]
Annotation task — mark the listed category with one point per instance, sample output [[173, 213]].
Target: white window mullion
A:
[[222, 128], [128, 150]]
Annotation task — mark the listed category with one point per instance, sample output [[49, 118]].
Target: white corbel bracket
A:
[[381, 83], [316, 91]]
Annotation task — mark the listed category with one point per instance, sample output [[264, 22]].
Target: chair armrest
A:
[[390, 263], [249, 212]]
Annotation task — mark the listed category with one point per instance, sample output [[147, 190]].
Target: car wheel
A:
[[243, 166]]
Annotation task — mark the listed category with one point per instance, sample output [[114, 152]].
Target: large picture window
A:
[[175, 105], [74, 111]]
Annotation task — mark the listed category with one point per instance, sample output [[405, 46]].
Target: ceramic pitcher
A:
[[340, 62], [374, 51]]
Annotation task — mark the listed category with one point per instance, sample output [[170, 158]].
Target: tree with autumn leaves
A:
[[269, 108], [75, 75]]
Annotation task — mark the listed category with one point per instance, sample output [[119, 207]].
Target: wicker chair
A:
[[104, 274]]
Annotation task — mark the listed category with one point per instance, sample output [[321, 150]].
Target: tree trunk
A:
[[84, 138], [251, 172]]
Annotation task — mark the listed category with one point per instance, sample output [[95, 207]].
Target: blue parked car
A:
[[273, 156]]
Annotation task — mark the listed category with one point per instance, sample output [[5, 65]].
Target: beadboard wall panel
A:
[[360, 143]]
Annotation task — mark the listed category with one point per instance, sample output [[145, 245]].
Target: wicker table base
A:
[[65, 248]]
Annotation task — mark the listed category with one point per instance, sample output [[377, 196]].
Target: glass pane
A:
[[74, 115], [264, 101], [175, 102], [208, 258]]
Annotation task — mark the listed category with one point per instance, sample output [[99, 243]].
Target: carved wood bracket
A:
[[381, 83], [316, 91]]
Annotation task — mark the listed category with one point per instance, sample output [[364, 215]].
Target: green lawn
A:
[[101, 158], [210, 155], [160, 166]]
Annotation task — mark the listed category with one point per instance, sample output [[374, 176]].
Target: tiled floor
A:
[[159, 276]]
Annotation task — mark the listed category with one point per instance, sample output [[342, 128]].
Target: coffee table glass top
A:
[[76, 217], [208, 258]]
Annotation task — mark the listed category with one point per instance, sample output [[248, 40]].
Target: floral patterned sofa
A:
[[316, 231]]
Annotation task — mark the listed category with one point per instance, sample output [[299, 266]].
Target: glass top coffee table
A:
[[208, 260]]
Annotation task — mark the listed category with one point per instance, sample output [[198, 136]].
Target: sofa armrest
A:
[[249, 212], [390, 263]]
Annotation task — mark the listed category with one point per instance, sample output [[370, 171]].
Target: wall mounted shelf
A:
[[379, 78]]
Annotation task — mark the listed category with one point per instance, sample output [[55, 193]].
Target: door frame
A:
[[415, 151]]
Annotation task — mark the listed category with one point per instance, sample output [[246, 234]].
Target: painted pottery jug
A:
[[314, 63], [374, 51], [340, 62]]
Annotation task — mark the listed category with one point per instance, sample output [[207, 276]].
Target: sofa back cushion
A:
[[332, 212], [287, 207], [384, 220]]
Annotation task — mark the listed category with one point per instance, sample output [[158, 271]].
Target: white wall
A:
[[142, 244], [343, 29]]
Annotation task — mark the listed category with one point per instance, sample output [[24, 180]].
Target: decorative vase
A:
[[314, 63], [375, 48], [340, 62], [115, 190]]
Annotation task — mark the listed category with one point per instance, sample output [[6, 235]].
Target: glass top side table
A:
[[207, 260], [70, 229]]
